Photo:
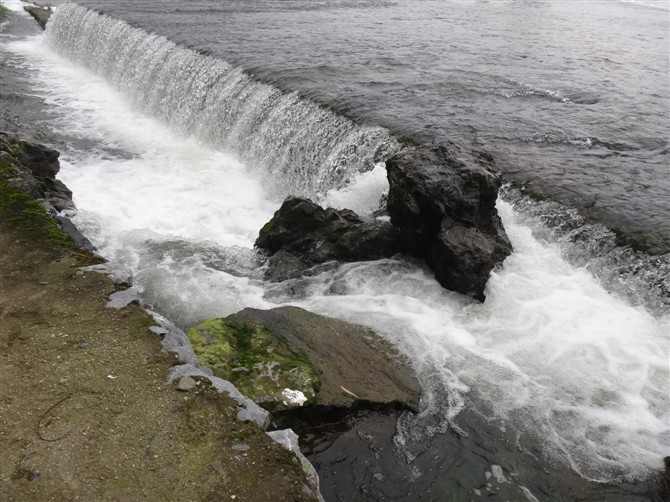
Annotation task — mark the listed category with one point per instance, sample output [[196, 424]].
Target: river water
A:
[[556, 388]]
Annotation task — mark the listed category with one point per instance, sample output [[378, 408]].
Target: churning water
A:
[[176, 159]]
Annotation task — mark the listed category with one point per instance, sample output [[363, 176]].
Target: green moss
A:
[[4, 12], [26, 214], [20, 209], [267, 228], [260, 364]]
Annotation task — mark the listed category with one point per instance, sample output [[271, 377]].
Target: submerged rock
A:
[[302, 234], [266, 353], [443, 201]]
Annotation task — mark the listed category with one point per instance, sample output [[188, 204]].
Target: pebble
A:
[[186, 383], [241, 447]]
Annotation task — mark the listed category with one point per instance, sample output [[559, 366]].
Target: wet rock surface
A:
[[443, 201], [333, 363], [302, 234], [41, 13], [31, 168]]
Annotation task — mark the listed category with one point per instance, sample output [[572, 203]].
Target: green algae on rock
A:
[[258, 363], [274, 355]]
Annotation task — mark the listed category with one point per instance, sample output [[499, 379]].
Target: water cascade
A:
[[304, 149]]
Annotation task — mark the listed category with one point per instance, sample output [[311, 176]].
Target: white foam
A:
[[550, 351], [14, 5]]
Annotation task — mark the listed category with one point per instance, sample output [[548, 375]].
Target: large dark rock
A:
[[273, 355], [302, 234], [443, 201]]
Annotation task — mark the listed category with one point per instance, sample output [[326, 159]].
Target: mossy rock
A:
[[258, 363], [333, 363]]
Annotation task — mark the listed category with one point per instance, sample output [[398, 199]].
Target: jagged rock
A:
[[331, 362], [32, 168], [41, 13], [443, 201], [302, 234]]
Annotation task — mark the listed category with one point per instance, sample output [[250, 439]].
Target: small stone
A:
[[176, 408], [241, 447], [78, 406], [157, 330], [83, 345], [186, 383], [34, 475]]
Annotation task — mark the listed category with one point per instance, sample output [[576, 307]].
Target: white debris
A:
[[497, 472], [293, 398]]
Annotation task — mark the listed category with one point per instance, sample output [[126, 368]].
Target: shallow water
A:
[[558, 377]]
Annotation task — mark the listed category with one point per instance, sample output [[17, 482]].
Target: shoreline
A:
[[85, 404]]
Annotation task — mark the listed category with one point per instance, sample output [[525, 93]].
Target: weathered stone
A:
[[302, 234], [31, 168], [443, 201], [40, 13], [186, 383], [332, 362]]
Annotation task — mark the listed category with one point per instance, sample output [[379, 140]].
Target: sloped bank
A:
[[84, 404]]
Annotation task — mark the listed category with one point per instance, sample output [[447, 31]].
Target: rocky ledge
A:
[[41, 13], [288, 357], [31, 169]]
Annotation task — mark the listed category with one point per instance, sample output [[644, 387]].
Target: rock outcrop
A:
[[41, 13], [288, 357], [443, 201], [32, 168], [302, 234]]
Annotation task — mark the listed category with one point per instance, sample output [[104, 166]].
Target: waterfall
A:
[[299, 147]]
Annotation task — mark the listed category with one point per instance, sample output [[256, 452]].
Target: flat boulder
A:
[[302, 234], [443, 201], [288, 357]]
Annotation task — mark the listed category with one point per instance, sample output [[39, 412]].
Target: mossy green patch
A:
[[22, 210], [267, 228], [4, 12], [257, 361]]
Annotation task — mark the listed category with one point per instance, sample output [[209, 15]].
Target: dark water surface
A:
[[572, 97]]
